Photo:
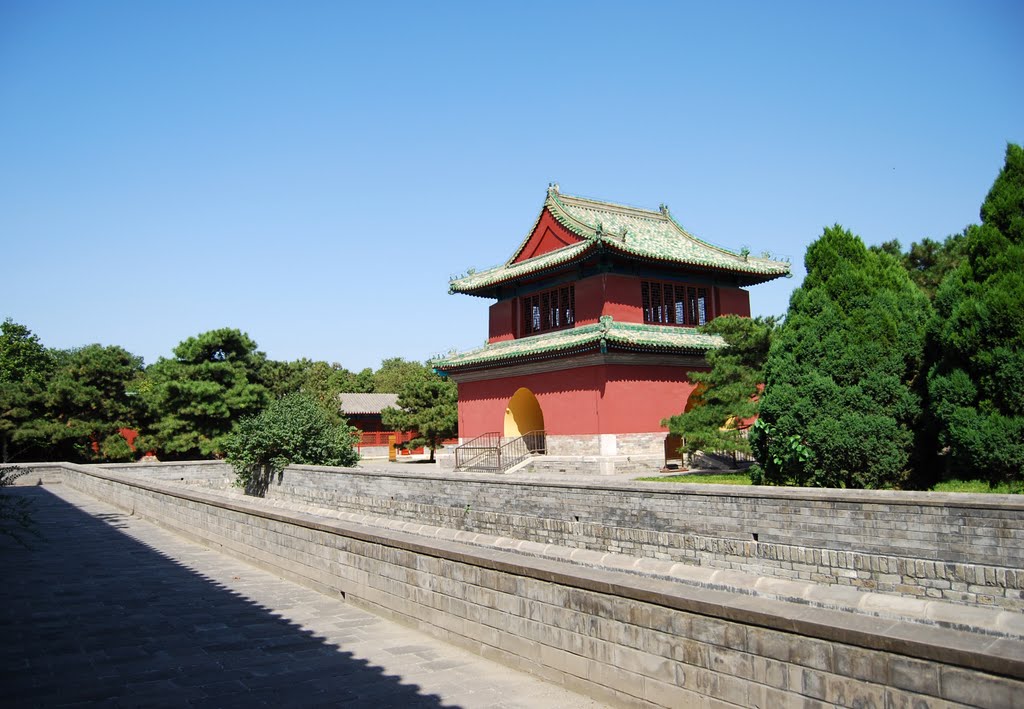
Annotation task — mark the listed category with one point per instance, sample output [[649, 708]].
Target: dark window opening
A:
[[674, 304], [550, 310]]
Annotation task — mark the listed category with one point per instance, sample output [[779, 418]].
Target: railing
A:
[[517, 450], [381, 438], [487, 452], [478, 452]]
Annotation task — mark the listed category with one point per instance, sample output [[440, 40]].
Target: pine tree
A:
[[728, 393], [196, 399], [428, 405]]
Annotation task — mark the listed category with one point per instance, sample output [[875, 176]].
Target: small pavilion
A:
[[593, 330]]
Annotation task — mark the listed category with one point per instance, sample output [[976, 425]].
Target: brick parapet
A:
[[628, 640], [888, 542]]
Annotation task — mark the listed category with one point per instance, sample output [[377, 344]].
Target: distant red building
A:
[[593, 329], [364, 412]]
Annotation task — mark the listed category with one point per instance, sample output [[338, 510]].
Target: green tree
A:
[[25, 365], [977, 337], [359, 382], [320, 380], [89, 398], [195, 399], [928, 261], [842, 397], [393, 374], [427, 404], [294, 429], [728, 393]]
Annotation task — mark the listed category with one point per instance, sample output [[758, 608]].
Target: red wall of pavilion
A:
[[502, 323], [733, 301], [585, 400], [610, 294]]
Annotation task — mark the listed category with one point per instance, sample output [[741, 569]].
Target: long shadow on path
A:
[[90, 615]]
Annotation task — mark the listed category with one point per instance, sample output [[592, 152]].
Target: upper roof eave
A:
[[635, 232]]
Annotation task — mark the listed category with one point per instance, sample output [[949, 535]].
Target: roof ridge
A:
[[567, 219], [658, 214]]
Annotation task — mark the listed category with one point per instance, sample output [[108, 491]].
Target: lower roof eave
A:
[[571, 359]]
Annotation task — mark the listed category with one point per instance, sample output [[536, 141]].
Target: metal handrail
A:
[[498, 456], [470, 452]]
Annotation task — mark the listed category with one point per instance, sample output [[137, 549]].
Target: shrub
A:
[[293, 429]]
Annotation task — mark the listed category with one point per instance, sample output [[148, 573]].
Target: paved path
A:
[[110, 610]]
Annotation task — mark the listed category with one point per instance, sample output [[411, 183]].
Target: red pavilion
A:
[[593, 331]]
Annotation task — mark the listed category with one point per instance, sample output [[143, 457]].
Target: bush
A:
[[293, 429]]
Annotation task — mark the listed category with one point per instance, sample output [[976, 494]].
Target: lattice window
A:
[[674, 304], [549, 310]]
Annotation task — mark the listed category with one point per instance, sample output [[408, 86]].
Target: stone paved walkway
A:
[[110, 610]]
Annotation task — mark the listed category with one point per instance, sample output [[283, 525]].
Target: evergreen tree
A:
[[976, 383], [841, 401], [25, 366], [427, 404], [928, 261], [196, 399], [727, 394], [90, 397], [393, 374], [322, 381]]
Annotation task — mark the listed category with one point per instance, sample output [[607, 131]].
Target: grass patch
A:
[[742, 478], [978, 486], [714, 478]]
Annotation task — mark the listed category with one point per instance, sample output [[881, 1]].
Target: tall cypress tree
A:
[[841, 405], [976, 383]]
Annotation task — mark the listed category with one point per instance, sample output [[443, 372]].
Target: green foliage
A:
[[427, 404], [980, 486], [842, 403], [702, 478], [25, 366], [21, 353], [393, 374], [89, 398], [318, 379], [195, 399], [928, 261], [294, 429], [727, 394], [977, 339]]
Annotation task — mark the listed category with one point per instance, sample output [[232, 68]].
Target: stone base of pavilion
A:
[[589, 454]]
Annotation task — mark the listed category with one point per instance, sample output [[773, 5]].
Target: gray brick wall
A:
[[961, 548], [626, 640]]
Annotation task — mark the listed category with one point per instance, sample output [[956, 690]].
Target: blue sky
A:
[[314, 172]]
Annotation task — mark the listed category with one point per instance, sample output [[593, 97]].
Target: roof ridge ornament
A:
[[553, 188], [663, 208]]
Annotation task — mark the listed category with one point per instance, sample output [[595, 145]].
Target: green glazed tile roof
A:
[[616, 335], [635, 232]]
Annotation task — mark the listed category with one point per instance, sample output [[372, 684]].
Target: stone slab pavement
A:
[[106, 609]]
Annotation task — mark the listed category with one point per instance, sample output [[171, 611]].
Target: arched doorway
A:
[[523, 414]]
